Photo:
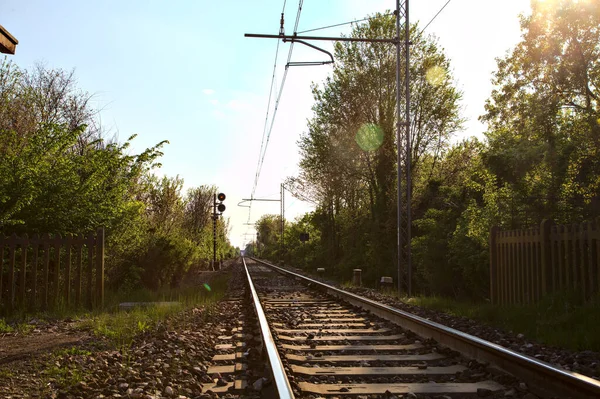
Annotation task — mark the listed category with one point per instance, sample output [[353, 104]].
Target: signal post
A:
[[218, 209]]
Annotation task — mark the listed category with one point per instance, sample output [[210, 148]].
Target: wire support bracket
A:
[[308, 63], [325, 38]]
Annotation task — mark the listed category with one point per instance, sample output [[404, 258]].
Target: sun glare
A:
[[369, 137], [435, 75]]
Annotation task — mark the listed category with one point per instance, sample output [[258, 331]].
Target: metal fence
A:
[[43, 272], [527, 264]]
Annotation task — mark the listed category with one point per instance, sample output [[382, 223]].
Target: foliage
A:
[[540, 160], [348, 163], [544, 128], [60, 175]]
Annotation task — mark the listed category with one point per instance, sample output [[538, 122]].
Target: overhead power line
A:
[[344, 23], [262, 144], [277, 101], [435, 16], [262, 147]]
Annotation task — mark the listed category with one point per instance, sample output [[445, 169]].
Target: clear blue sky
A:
[[183, 71]]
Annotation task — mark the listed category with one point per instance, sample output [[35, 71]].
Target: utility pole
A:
[[402, 11], [282, 204], [402, 20], [281, 201]]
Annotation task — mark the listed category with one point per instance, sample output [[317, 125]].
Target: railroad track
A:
[[318, 345]]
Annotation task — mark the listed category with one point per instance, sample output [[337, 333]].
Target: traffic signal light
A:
[[221, 206]]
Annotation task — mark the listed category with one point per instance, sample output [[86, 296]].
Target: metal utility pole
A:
[[281, 201], [402, 21], [282, 195], [402, 12], [214, 218]]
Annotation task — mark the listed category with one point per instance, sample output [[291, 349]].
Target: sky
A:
[[182, 71]]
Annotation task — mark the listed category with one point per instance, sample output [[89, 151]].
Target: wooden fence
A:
[[43, 272], [527, 264]]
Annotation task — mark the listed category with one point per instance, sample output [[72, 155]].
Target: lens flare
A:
[[435, 75], [207, 286], [369, 137]]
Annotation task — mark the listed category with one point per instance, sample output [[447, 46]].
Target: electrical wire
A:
[[277, 101], [435, 16], [260, 153], [266, 121], [345, 23]]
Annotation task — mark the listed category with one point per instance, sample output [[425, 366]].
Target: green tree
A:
[[543, 116], [349, 154]]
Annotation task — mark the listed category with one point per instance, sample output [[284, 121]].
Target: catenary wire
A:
[[260, 154], [344, 23], [266, 121], [277, 101], [435, 16]]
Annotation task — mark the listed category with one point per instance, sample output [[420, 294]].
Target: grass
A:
[[6, 373], [73, 351], [562, 320], [67, 375], [121, 327], [4, 327]]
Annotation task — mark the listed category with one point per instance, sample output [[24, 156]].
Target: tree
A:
[[543, 115], [349, 153], [269, 236]]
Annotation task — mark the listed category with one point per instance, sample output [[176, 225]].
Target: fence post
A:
[[90, 269], [35, 241], [545, 249], [55, 283], [46, 242], [24, 246], [68, 245], [583, 240], [78, 279], [493, 265], [12, 244], [597, 260], [100, 268], [2, 243]]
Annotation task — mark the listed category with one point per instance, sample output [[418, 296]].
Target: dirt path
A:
[[24, 357]]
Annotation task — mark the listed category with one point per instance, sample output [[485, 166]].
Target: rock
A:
[[221, 382], [258, 384], [522, 387], [169, 391], [483, 392]]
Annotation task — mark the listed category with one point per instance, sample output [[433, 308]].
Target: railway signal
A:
[[220, 207]]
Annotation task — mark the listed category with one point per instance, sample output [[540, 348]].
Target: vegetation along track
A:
[[333, 343]]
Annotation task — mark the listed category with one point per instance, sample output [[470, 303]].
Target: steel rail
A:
[[284, 390], [542, 377]]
